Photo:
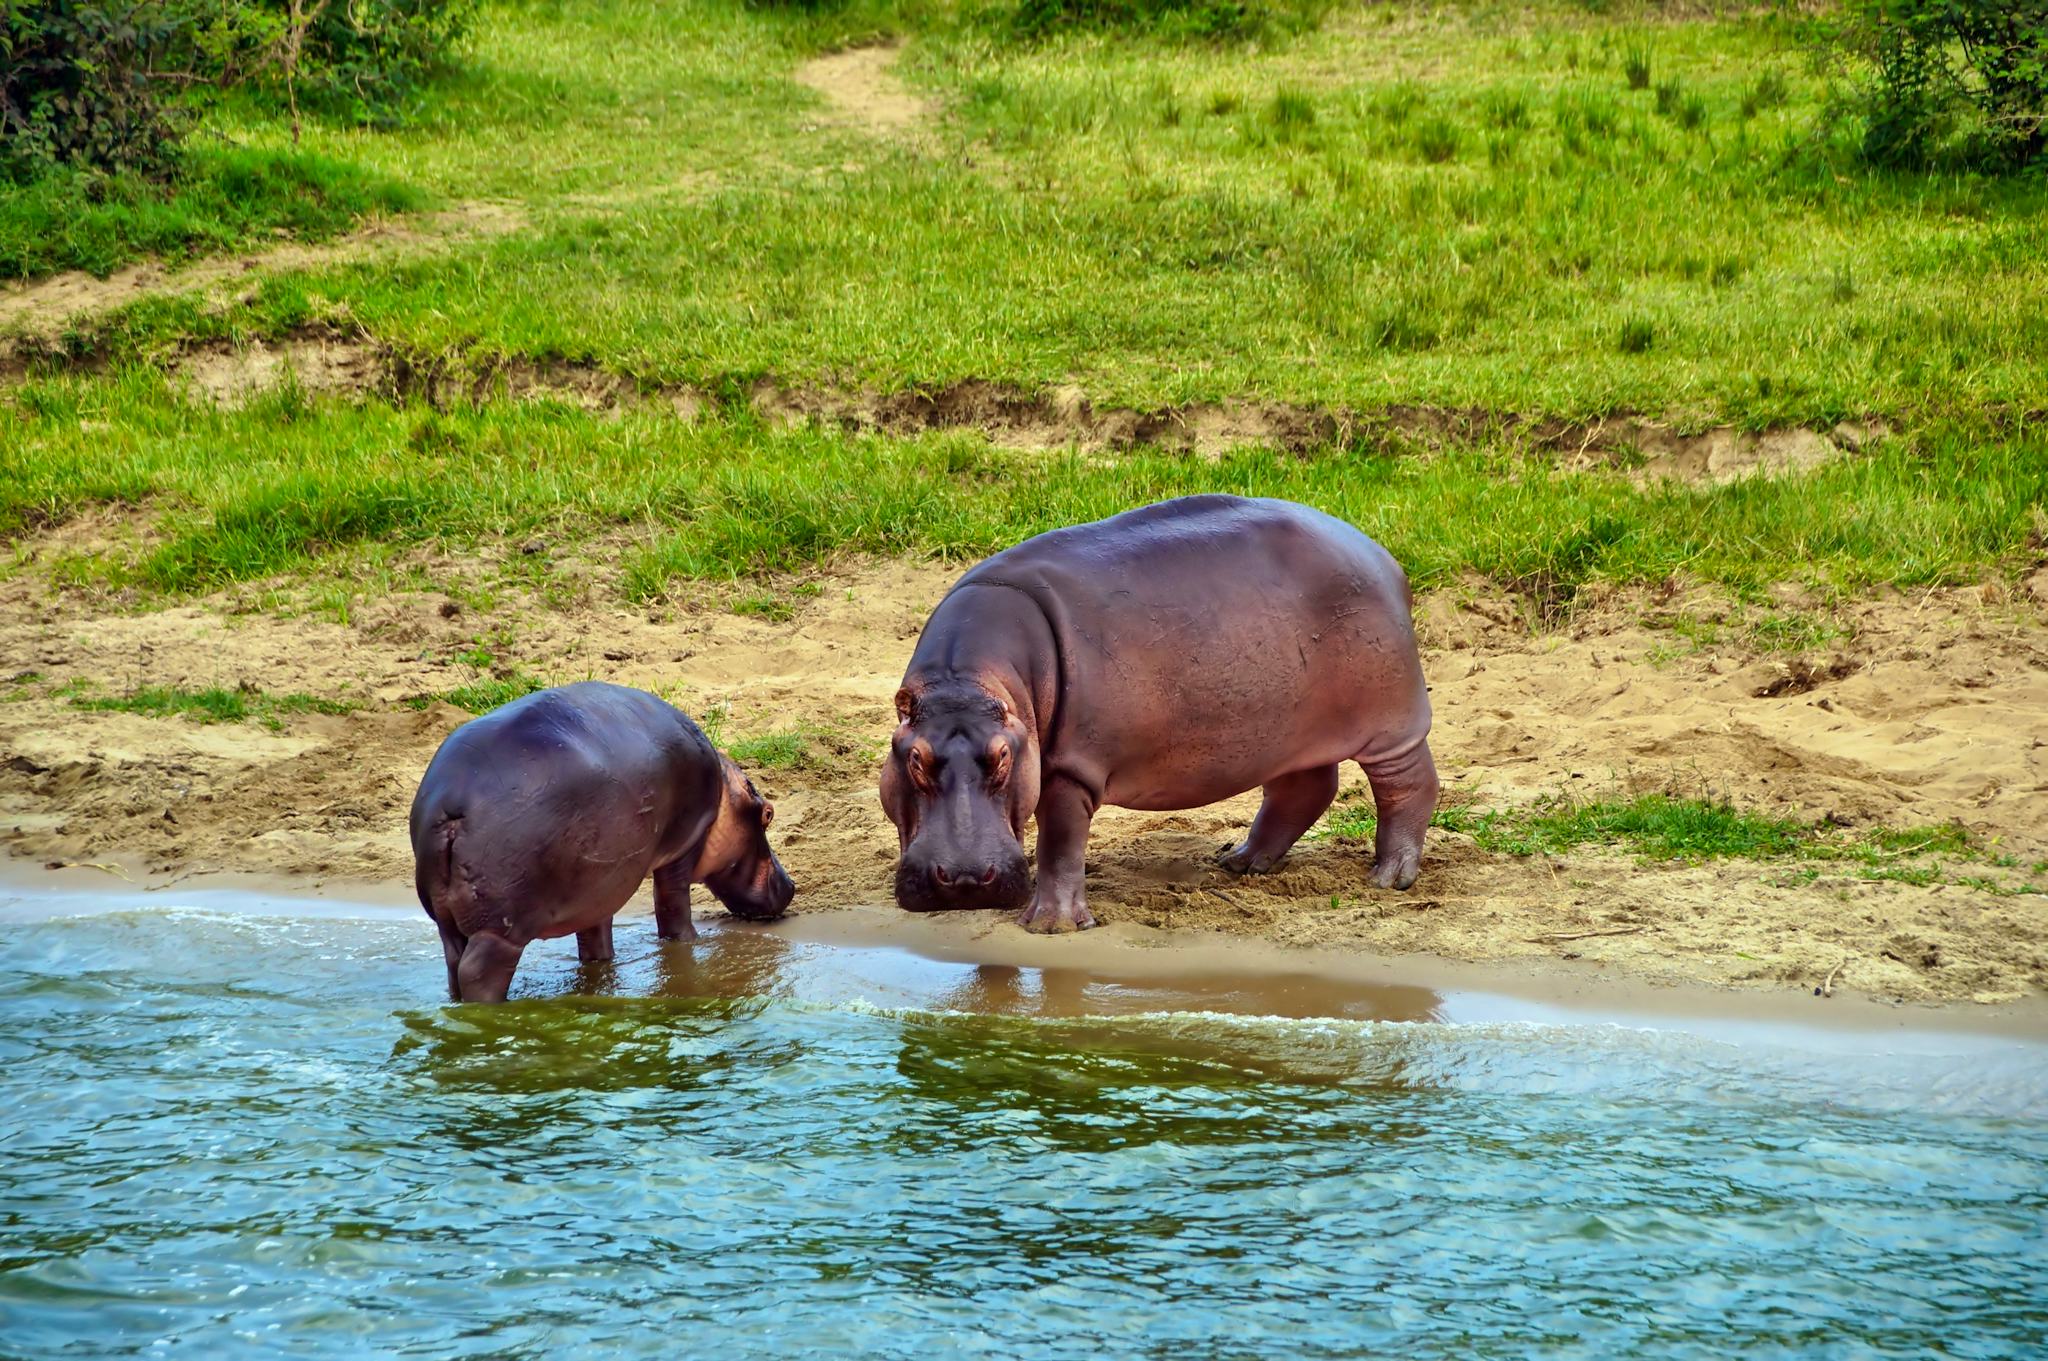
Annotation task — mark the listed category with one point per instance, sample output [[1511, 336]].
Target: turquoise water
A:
[[225, 1134]]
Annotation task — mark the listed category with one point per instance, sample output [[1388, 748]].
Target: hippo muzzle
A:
[[939, 878]]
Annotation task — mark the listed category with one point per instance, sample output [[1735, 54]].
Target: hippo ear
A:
[[905, 702]]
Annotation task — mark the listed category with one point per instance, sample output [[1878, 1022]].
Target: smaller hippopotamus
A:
[[542, 818]]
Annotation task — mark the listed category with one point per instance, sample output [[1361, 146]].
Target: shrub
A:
[[1963, 79], [79, 84], [362, 59], [109, 83]]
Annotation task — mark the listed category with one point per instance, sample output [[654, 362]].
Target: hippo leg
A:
[[1292, 805], [1404, 792], [1060, 901], [672, 903], [485, 974], [451, 950], [594, 944]]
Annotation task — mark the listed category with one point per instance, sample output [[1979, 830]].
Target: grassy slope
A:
[[1160, 223], [264, 490], [1466, 206], [220, 199]]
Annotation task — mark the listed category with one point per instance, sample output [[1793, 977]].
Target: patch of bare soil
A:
[[1930, 710], [862, 91], [46, 305], [322, 360]]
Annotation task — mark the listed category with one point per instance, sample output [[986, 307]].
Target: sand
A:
[[1928, 709]]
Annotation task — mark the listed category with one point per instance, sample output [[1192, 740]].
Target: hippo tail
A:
[[444, 890]]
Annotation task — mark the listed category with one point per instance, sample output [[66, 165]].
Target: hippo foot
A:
[[1241, 859], [1046, 917], [1397, 869]]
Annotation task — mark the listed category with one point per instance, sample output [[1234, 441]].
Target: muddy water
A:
[[255, 1128]]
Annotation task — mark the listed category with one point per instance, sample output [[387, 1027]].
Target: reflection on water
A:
[[234, 1135]]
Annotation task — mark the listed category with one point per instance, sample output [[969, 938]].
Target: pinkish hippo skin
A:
[[544, 817], [1161, 659]]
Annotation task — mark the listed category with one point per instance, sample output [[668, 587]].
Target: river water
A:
[[261, 1131]]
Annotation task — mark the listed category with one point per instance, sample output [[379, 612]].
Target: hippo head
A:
[[737, 864], [960, 782]]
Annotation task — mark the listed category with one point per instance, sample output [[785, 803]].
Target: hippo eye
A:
[[767, 815], [999, 766]]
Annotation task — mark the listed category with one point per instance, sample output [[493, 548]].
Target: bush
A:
[[108, 83], [1949, 79], [362, 59], [80, 84]]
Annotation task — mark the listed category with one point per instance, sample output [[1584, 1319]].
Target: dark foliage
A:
[[1950, 80], [80, 83], [106, 83]]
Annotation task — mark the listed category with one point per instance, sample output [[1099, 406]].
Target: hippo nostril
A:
[[988, 876], [940, 877]]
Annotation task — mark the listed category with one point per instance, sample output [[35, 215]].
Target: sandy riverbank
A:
[[1918, 712]]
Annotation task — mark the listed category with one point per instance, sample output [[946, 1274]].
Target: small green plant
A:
[[1291, 110], [1791, 632], [215, 704], [1393, 103], [1436, 140], [765, 605], [1637, 334], [1635, 65], [772, 751], [1768, 92], [490, 692], [1506, 109]]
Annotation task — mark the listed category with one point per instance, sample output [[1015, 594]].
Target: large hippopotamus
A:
[[1164, 658], [542, 818]]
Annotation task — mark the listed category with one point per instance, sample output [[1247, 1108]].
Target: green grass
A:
[[1308, 219], [1693, 831], [808, 748], [220, 199], [1165, 221], [214, 704], [486, 693], [282, 488], [773, 751]]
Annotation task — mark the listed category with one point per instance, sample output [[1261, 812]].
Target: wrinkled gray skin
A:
[[543, 818], [1165, 658]]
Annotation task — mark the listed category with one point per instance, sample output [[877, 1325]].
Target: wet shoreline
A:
[[978, 962]]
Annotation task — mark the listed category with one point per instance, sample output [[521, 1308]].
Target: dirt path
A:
[[46, 305], [863, 91], [1934, 709]]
